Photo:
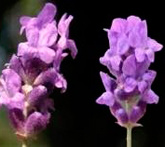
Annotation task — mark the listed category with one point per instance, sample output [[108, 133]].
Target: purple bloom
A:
[[34, 72], [128, 59]]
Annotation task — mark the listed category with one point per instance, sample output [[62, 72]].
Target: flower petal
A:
[[46, 78], [154, 45], [149, 76], [136, 114], [150, 54], [129, 84], [139, 54], [48, 35], [108, 82], [36, 122], [63, 25], [32, 33], [129, 66], [37, 95], [17, 119], [121, 116], [115, 62], [150, 97], [132, 21], [17, 101], [12, 80], [107, 98], [24, 21], [46, 54], [72, 46], [60, 82], [142, 86], [138, 36], [47, 14], [122, 45], [16, 65], [118, 25]]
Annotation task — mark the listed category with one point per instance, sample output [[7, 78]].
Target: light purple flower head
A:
[[33, 73], [128, 59]]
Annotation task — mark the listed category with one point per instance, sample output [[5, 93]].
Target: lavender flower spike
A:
[[33, 73], [128, 59]]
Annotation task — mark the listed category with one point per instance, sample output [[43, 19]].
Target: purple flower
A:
[[128, 59], [34, 72]]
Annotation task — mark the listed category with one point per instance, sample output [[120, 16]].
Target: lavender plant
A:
[[34, 72], [128, 90]]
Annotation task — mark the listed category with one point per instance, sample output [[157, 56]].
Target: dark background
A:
[[78, 121]]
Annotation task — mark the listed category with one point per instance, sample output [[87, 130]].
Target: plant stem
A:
[[24, 144], [129, 136]]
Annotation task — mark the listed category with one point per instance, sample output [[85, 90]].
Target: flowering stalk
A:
[[24, 144], [128, 91], [34, 72], [129, 136]]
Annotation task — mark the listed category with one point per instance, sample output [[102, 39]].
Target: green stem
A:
[[24, 144], [129, 136]]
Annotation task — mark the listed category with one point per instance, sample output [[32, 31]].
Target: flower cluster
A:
[[33, 73], [128, 59]]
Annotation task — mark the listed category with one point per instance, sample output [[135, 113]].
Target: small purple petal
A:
[[121, 116], [32, 33], [130, 84], [132, 22], [108, 82], [105, 60], [129, 66], [113, 38], [46, 54], [15, 64], [149, 76], [136, 114], [36, 122], [115, 62], [107, 98], [150, 54], [63, 25], [122, 45], [116, 106], [139, 54], [47, 14], [24, 22], [17, 119], [150, 97], [46, 77], [60, 82], [118, 25], [17, 101], [142, 67], [72, 46], [13, 81], [62, 43], [138, 36], [48, 35], [142, 86], [154, 45], [37, 95]]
